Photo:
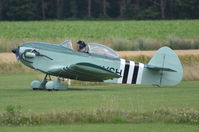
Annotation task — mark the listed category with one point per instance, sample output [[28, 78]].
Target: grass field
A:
[[96, 30], [15, 90], [120, 35], [105, 128]]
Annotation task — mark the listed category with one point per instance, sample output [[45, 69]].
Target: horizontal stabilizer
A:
[[159, 68]]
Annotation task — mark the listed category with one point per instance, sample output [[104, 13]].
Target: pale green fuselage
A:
[[55, 57]]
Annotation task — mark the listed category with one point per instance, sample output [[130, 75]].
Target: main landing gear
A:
[[48, 85]]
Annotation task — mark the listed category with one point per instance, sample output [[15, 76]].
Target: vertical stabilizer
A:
[[164, 68]]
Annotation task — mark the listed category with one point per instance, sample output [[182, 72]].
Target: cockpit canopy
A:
[[102, 50], [94, 48]]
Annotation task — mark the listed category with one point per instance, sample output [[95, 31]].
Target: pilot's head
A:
[[81, 44]]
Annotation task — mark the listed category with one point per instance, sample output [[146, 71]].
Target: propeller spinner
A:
[[16, 52]]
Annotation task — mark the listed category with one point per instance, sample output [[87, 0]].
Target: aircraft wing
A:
[[86, 72]]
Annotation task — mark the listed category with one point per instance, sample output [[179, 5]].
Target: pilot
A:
[[81, 46]]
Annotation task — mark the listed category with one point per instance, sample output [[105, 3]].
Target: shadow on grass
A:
[[8, 89], [90, 89]]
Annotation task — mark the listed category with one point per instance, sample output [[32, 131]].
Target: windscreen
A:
[[67, 44]]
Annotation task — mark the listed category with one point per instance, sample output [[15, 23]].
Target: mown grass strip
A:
[[190, 66]]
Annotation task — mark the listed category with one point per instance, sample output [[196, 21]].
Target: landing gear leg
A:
[[39, 85]]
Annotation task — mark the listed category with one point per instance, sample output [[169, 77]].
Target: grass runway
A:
[[15, 90]]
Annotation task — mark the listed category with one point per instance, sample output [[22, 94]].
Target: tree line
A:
[[98, 9]]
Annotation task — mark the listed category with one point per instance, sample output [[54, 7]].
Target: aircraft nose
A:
[[16, 52]]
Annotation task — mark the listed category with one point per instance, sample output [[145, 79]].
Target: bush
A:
[[145, 44], [177, 43], [121, 44]]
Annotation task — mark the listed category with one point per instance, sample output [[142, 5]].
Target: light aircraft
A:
[[99, 64]]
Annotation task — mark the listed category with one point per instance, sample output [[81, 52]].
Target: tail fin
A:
[[165, 67]]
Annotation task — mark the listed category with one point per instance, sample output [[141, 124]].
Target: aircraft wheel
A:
[[35, 84], [38, 85], [55, 85]]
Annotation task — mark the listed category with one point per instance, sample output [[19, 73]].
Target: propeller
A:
[[15, 50]]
